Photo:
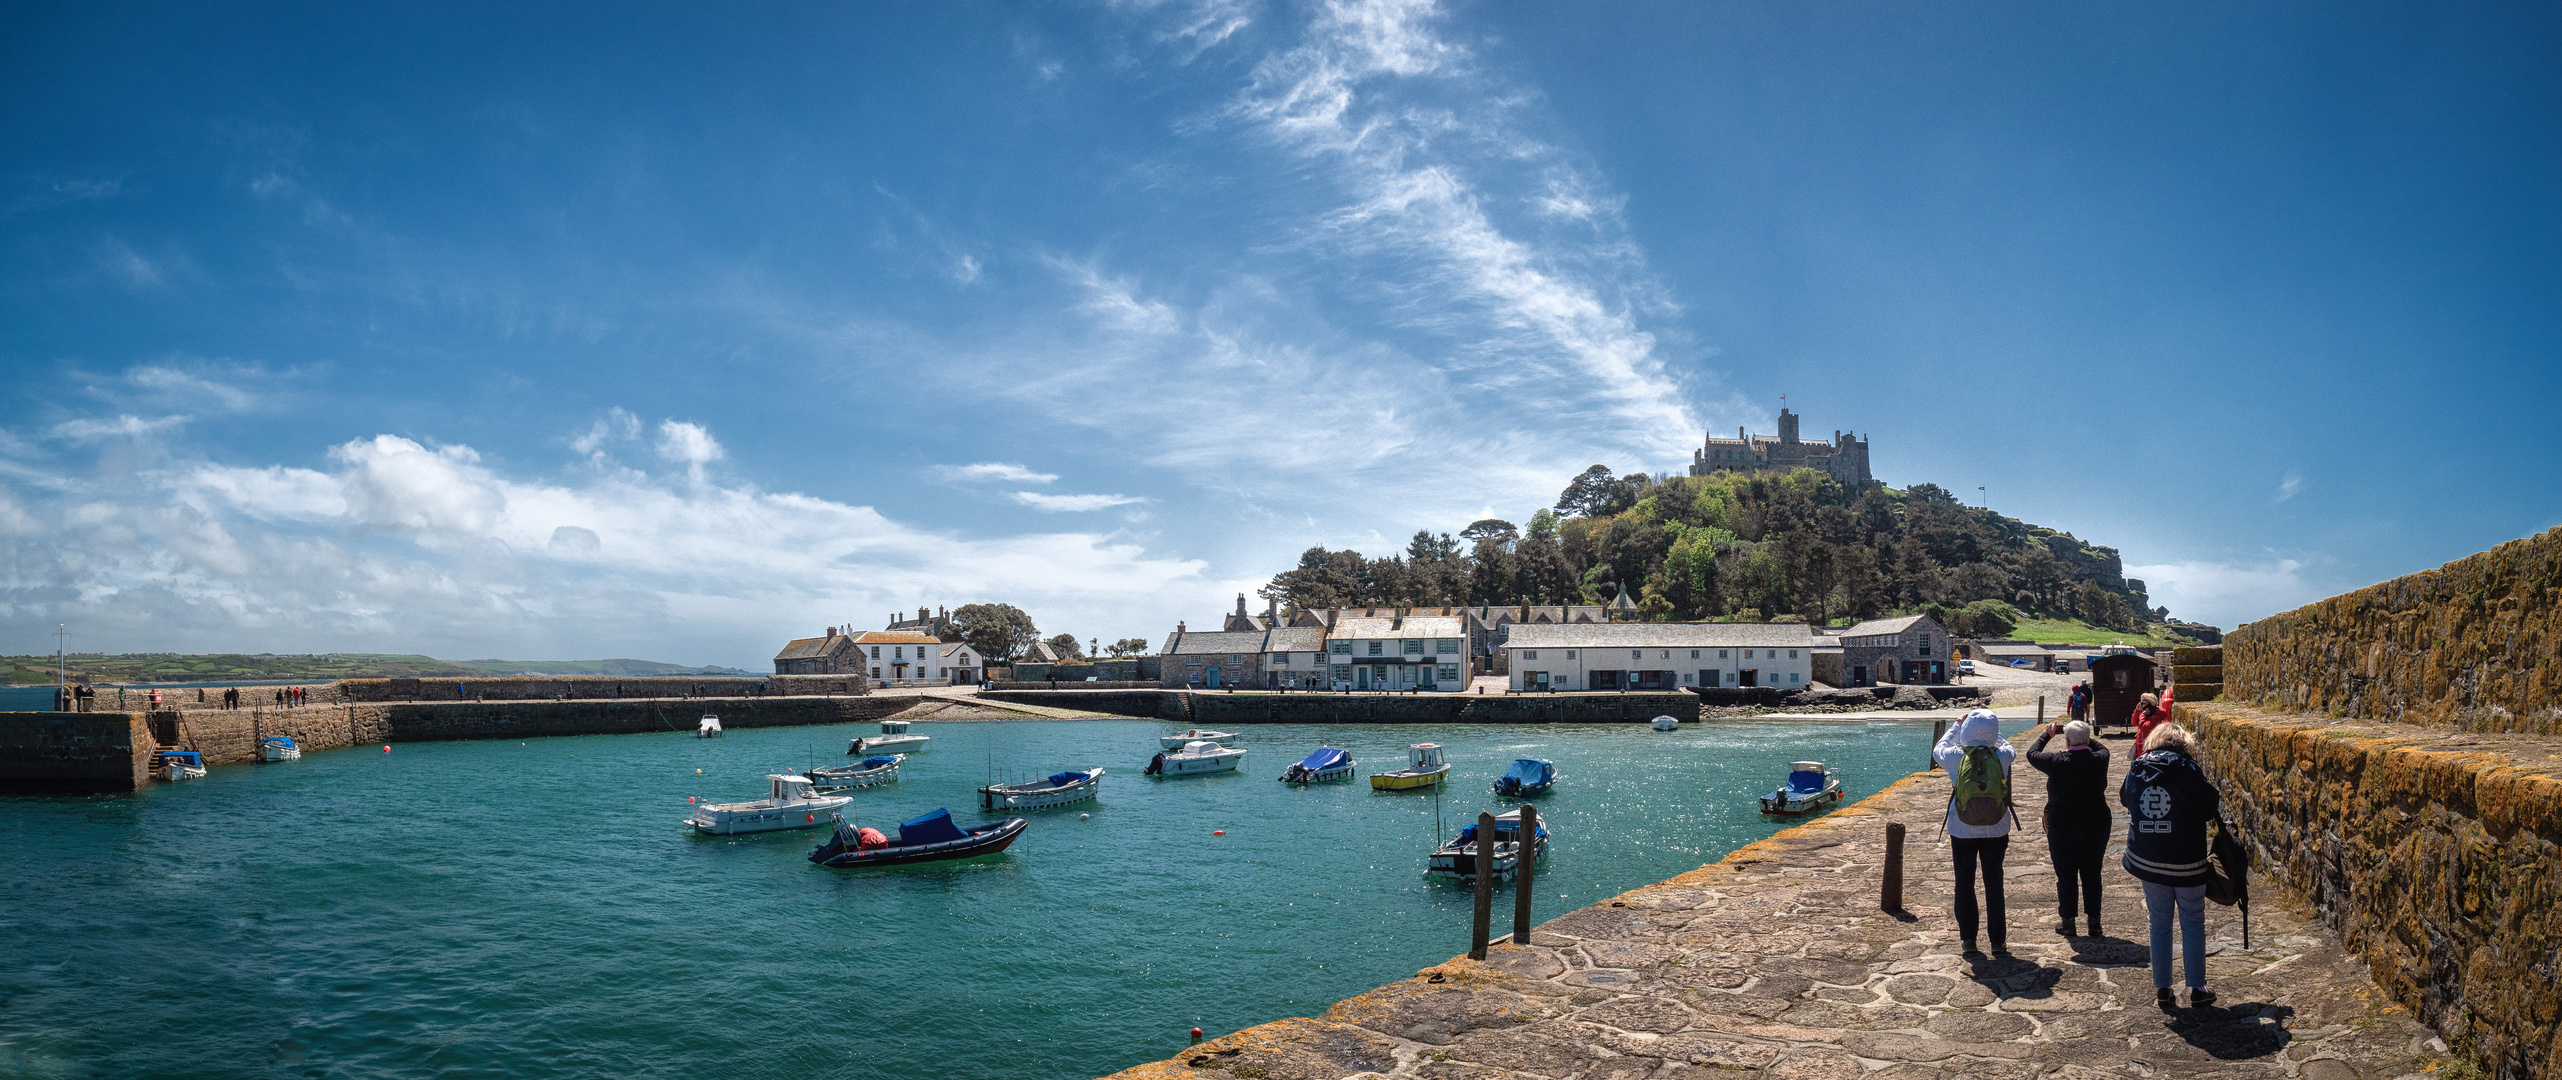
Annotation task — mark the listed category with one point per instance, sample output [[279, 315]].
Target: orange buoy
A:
[[810, 817]]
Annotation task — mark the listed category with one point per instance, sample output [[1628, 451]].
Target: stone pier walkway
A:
[[1777, 963]]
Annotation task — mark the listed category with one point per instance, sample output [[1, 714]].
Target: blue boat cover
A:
[[279, 740], [1502, 826], [930, 828], [1063, 779], [1531, 771], [1805, 780], [1326, 758], [880, 760]]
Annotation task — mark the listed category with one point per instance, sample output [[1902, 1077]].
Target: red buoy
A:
[[1196, 1034], [1218, 832], [386, 748]]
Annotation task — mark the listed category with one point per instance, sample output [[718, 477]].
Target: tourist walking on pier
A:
[[1978, 762], [2078, 703], [2150, 712], [2077, 819], [2168, 804]]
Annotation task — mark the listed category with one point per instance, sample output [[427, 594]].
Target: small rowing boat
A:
[[1426, 770], [932, 837], [878, 769], [1056, 789]]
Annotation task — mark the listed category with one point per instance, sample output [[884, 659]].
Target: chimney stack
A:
[[831, 631]]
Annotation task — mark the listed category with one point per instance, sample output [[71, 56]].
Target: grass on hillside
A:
[[2079, 632]]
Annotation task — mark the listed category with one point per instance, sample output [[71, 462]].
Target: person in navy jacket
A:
[[2168, 804]]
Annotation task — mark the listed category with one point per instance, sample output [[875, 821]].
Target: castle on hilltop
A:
[[1845, 458]]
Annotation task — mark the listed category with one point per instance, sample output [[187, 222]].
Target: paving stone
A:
[[1833, 1014], [1697, 1048], [1918, 989], [1815, 1065], [1628, 954], [1978, 1025], [1639, 1014], [1890, 1046]]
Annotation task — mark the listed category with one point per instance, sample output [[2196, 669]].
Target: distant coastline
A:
[[223, 669]]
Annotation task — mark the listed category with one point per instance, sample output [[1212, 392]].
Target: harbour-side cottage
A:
[[1659, 656], [1904, 649], [1212, 660], [958, 664], [1390, 651], [829, 654], [899, 657]]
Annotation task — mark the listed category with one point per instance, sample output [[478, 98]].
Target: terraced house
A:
[[1393, 651], [1659, 656]]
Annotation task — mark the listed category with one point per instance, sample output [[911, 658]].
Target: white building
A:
[[905, 658], [1398, 652], [1659, 656]]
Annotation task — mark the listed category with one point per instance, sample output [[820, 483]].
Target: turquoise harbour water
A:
[[488, 909]]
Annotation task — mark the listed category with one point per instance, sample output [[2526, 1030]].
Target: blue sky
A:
[[674, 330]]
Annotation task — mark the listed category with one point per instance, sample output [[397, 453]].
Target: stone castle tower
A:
[[1845, 459]]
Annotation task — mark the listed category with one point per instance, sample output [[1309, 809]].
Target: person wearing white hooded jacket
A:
[[1977, 846]]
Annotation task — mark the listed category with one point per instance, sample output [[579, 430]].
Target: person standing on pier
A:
[[2077, 819], [2150, 712], [1978, 762], [2168, 801]]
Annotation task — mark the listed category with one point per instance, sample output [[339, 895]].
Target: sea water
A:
[[502, 908]]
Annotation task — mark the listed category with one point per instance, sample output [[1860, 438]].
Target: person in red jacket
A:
[[2150, 711]]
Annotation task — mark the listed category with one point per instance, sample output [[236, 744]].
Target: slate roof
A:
[[811, 648], [1295, 639], [1874, 627], [1412, 626], [1191, 643], [1660, 635]]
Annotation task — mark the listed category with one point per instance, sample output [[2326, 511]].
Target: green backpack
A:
[[1982, 793]]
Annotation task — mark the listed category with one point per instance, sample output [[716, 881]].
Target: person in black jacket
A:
[[2168, 803], [2077, 818]]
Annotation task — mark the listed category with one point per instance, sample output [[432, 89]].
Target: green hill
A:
[[315, 667]]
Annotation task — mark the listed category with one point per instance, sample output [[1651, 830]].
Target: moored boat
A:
[[1057, 789], [1527, 777], [893, 739], [278, 748], [1810, 788], [794, 804], [1458, 858], [179, 765], [1197, 758], [877, 769], [931, 837], [1666, 723], [1326, 764], [1181, 739], [1425, 770], [710, 728]]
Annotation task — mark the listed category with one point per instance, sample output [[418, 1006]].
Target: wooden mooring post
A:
[[1485, 886], [1891, 897], [1521, 873], [1938, 731]]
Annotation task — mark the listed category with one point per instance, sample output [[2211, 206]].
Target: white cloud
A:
[[2287, 487], [406, 546], [124, 427], [994, 470], [691, 444], [1073, 503], [118, 259], [174, 382], [617, 423], [2228, 594]]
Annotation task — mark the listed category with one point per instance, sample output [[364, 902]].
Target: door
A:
[[1210, 678], [1748, 677], [1859, 676], [1361, 677]]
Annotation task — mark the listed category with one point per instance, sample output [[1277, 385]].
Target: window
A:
[[1685, 678], [1343, 648], [898, 652], [1694, 654], [1570, 654], [1792, 654], [1449, 673], [1414, 646], [1667, 655], [876, 652], [876, 672], [1446, 646], [1192, 661], [1921, 645], [1529, 654], [1343, 671], [1636, 654], [1375, 646], [1793, 677], [1721, 654]]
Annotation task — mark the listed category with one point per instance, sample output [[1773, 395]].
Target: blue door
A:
[[1211, 679]]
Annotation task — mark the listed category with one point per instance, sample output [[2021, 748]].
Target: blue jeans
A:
[[2192, 932]]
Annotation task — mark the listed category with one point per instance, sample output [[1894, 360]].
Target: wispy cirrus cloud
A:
[[994, 470], [86, 430], [1057, 504], [2288, 485]]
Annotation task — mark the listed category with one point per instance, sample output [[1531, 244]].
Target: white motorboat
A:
[[1810, 788], [1181, 739], [278, 748], [181, 765], [1056, 789], [1196, 758], [1425, 770], [794, 804], [1326, 764], [1458, 858], [893, 739], [1666, 723], [710, 728]]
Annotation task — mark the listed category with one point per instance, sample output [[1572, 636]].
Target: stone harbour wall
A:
[[2475, 644], [230, 737], [576, 687], [46, 752], [1216, 709], [2431, 852]]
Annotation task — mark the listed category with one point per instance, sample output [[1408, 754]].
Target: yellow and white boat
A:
[[1427, 770]]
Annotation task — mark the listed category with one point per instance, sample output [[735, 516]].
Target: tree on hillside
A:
[[1496, 529], [999, 632], [1066, 646]]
